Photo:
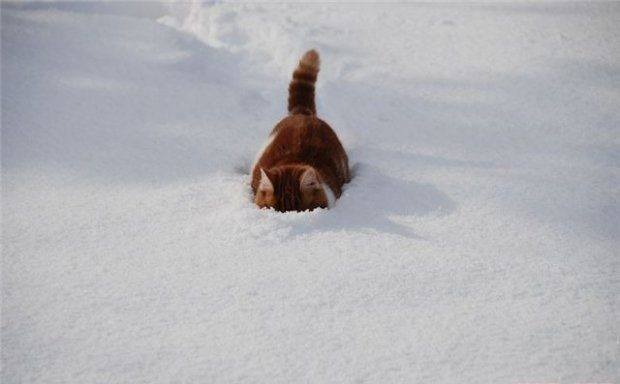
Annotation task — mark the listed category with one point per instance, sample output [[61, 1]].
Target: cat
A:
[[303, 166]]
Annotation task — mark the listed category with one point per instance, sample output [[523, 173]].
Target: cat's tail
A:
[[301, 88]]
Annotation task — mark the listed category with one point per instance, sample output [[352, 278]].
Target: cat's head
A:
[[290, 188]]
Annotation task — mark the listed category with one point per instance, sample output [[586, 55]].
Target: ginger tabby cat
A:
[[303, 166]]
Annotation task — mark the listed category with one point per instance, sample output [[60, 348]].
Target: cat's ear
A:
[[265, 183], [309, 180]]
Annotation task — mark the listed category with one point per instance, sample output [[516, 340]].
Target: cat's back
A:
[[306, 139], [305, 131]]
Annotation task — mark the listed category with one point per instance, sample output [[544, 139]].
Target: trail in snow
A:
[[477, 241]]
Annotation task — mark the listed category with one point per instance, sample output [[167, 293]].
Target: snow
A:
[[477, 241]]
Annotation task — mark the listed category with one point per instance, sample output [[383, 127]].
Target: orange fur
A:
[[304, 163]]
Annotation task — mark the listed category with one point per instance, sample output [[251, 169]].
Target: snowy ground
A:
[[478, 242]]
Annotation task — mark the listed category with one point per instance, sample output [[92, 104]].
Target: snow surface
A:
[[478, 241]]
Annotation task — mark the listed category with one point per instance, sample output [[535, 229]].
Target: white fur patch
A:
[[331, 198], [260, 153]]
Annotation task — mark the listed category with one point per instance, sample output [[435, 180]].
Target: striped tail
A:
[[301, 88]]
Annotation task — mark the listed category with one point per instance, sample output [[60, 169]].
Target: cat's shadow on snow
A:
[[373, 203]]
